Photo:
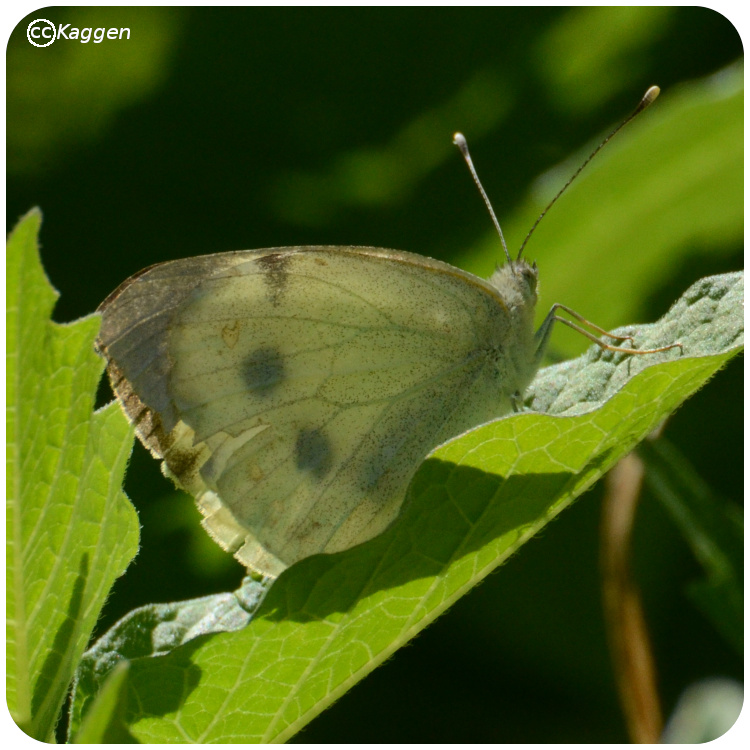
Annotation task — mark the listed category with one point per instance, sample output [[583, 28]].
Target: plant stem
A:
[[632, 657]]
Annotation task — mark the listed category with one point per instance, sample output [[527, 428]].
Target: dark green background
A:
[[224, 129]]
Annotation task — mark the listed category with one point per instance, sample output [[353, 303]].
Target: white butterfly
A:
[[294, 391]]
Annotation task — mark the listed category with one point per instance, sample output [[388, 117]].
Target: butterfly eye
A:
[[530, 275]]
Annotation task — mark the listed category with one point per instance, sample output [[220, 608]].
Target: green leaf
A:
[[712, 527], [331, 619], [105, 720], [153, 630], [707, 319], [70, 530]]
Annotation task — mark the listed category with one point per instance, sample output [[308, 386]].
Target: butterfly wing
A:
[[294, 391]]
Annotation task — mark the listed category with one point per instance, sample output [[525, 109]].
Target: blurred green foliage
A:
[[230, 128], [67, 94]]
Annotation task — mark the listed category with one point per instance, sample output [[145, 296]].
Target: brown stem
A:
[[632, 658]]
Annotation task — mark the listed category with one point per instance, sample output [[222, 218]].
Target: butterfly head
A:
[[517, 281]]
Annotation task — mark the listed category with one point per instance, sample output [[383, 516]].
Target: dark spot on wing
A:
[[263, 370], [313, 452], [275, 272]]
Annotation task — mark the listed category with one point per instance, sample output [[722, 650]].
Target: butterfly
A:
[[294, 391]]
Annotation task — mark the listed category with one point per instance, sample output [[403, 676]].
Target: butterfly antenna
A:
[[460, 141], [647, 99]]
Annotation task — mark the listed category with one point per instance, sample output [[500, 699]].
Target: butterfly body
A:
[[294, 391]]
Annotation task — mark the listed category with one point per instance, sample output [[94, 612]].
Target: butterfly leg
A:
[[543, 334], [515, 402]]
